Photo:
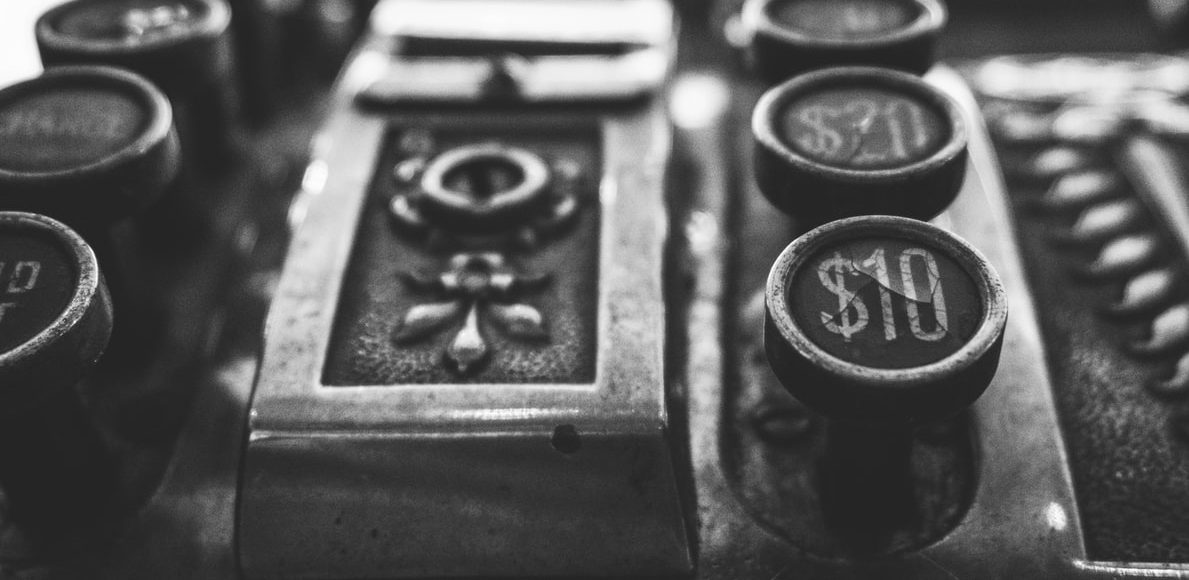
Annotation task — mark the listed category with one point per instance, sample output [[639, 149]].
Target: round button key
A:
[[881, 320], [55, 313], [85, 144], [55, 322], [853, 141], [182, 46], [790, 37], [176, 38]]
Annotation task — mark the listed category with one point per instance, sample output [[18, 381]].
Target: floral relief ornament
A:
[[474, 286]]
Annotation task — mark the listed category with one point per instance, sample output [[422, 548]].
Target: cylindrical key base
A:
[[55, 321], [55, 466], [866, 483]]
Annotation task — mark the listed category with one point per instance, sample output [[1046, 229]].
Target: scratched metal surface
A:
[[186, 529]]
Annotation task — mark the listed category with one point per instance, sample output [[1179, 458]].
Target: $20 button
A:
[[850, 141]]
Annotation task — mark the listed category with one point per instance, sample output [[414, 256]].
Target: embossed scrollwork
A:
[[475, 287], [481, 204]]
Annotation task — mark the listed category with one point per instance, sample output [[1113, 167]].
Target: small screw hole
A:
[[565, 439]]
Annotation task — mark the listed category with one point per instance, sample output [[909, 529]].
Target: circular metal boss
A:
[[484, 187]]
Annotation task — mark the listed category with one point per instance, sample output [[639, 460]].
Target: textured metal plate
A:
[[384, 470], [382, 286]]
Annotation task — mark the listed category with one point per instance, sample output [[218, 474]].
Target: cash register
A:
[[561, 289]]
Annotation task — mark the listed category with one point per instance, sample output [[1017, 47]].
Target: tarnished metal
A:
[[388, 480], [1022, 520], [517, 333]]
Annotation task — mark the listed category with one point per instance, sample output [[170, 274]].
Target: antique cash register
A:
[[709, 289]]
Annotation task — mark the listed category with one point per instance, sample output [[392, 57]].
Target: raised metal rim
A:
[[534, 169], [85, 291], [764, 120], [991, 323], [932, 18], [216, 20], [160, 115]]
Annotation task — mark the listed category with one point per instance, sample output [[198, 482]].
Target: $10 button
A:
[[885, 302], [884, 319]]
